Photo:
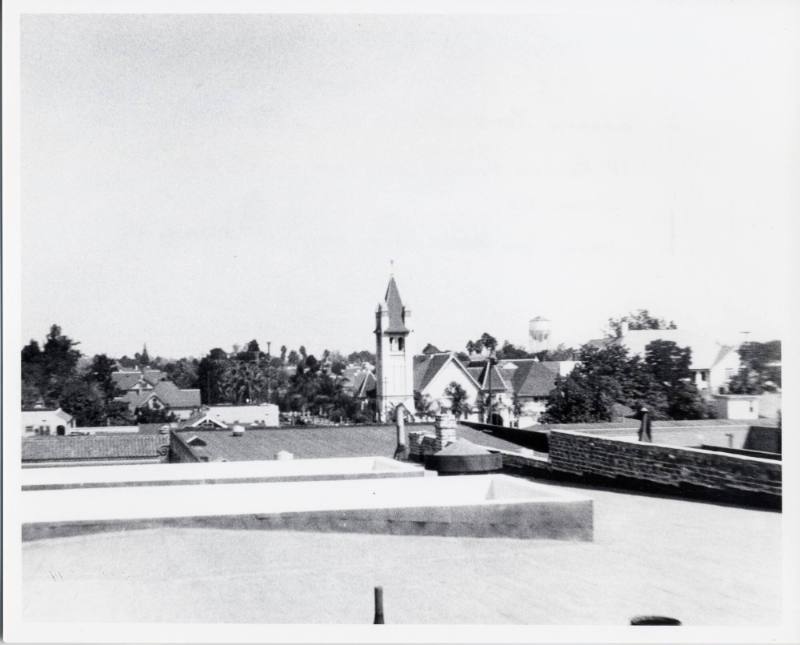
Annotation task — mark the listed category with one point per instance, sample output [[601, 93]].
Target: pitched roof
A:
[[365, 383], [121, 446], [167, 392], [497, 384], [539, 381], [431, 349], [394, 305], [153, 376], [125, 380], [129, 379], [426, 367]]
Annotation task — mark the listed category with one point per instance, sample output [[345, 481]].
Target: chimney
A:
[[445, 427], [400, 452]]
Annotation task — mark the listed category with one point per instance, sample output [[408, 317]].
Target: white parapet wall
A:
[[218, 473], [476, 505]]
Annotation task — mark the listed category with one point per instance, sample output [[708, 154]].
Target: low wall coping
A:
[[667, 446]]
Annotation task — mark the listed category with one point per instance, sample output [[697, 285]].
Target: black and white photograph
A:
[[372, 322]]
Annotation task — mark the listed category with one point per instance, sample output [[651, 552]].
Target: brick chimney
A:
[[445, 426]]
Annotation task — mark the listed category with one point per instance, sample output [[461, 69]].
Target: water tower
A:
[[538, 334]]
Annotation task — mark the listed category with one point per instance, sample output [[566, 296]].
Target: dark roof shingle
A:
[[123, 446]]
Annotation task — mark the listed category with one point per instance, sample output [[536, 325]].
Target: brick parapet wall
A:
[[581, 454]]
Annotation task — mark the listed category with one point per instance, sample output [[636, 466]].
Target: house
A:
[[531, 383], [137, 380], [519, 387], [359, 382], [163, 395], [264, 415], [41, 421], [433, 374]]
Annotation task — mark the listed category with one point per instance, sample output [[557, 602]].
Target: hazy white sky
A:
[[197, 181]]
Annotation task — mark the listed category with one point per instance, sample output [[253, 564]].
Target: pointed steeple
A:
[[394, 305]]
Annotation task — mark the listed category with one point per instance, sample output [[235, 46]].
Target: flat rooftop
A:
[[703, 563], [310, 442]]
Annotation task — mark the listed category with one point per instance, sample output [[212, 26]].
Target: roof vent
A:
[[237, 430]]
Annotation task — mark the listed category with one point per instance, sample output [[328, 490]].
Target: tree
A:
[[760, 371], [184, 372], [641, 319], [100, 372], [84, 401], [422, 405], [33, 377], [294, 358], [508, 351], [210, 374], [363, 356], [486, 341], [59, 362], [560, 353], [283, 354], [602, 378], [458, 399]]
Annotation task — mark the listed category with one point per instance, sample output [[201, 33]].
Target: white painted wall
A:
[[45, 422], [736, 407]]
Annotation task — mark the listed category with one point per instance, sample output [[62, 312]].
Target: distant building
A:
[[137, 380], [360, 383], [41, 421], [519, 387], [163, 395], [264, 415], [95, 450], [736, 406], [394, 370]]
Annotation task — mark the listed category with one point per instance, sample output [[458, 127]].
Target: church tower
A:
[[395, 358]]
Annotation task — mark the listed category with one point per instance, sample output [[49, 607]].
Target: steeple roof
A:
[[394, 305]]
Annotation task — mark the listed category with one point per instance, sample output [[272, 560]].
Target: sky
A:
[[196, 181]]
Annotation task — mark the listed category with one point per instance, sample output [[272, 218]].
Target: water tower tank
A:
[[539, 329]]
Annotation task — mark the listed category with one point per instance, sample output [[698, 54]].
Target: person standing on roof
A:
[[645, 431]]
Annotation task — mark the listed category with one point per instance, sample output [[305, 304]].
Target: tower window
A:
[[391, 343], [401, 344]]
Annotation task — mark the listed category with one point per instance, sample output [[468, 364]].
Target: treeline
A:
[[57, 374], [53, 376], [606, 379]]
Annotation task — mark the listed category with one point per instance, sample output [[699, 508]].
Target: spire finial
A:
[[391, 268]]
